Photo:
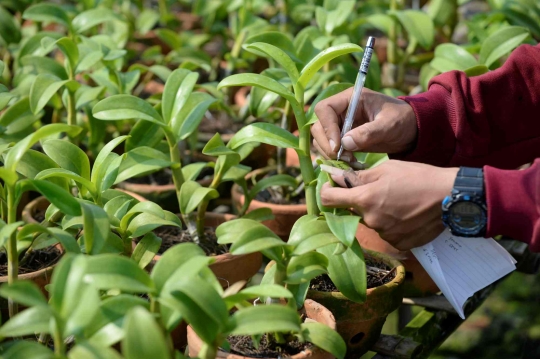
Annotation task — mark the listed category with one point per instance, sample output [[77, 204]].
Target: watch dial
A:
[[467, 215]]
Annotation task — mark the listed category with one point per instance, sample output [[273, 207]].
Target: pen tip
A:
[[371, 42]]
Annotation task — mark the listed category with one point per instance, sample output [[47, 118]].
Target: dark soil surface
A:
[[159, 178], [39, 215], [39, 259], [275, 197], [220, 123], [173, 235], [268, 348], [323, 283]]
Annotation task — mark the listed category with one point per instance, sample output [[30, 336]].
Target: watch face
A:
[[467, 216]]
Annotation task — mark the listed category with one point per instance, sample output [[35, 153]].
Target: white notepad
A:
[[462, 266]]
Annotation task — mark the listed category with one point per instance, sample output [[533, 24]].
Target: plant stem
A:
[[176, 167], [391, 46], [59, 345], [208, 351], [201, 211], [281, 274], [163, 14], [13, 257], [72, 111]]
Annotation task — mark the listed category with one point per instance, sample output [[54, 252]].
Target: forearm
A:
[[490, 119], [513, 199]]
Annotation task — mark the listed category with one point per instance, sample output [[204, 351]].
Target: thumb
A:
[[365, 138]]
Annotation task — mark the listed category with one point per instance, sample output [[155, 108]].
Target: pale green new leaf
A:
[[187, 120], [177, 90], [501, 43], [43, 89], [264, 133], [144, 338], [418, 26], [264, 319], [125, 107], [192, 194], [325, 338]]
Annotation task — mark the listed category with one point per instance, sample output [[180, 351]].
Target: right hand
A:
[[382, 124]]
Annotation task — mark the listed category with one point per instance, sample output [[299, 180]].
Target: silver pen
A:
[[358, 87]]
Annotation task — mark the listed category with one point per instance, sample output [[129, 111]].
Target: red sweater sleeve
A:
[[489, 120]]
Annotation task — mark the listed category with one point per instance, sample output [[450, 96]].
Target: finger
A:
[[337, 197], [320, 150], [322, 143], [329, 112], [368, 137], [350, 178]]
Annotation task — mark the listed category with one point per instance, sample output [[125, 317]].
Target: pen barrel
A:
[[366, 59]]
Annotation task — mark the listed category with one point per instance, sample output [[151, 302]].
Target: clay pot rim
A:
[[399, 278], [307, 353], [280, 208], [39, 272]]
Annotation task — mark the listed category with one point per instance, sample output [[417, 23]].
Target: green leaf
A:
[[24, 292], [7, 231], [193, 170], [264, 133], [45, 65], [102, 161], [57, 196], [111, 271], [275, 38], [442, 11], [304, 268], [264, 319], [28, 322], [215, 147], [47, 12], [381, 22], [192, 194], [70, 51], [68, 156], [9, 177], [329, 91], [501, 43], [323, 58], [96, 227], [25, 349], [260, 214], [144, 133], [125, 107], [144, 338], [16, 152], [343, 227], [450, 57], [277, 55], [418, 25], [93, 17], [261, 81], [85, 95], [337, 17], [142, 160], [147, 222], [84, 310], [324, 338], [262, 290], [347, 270], [87, 350], [43, 89], [10, 31], [277, 180], [426, 74], [188, 119], [65, 174], [476, 70], [177, 89], [146, 249]]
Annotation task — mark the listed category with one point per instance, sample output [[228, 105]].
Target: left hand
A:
[[400, 200]]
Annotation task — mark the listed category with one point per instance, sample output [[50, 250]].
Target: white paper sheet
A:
[[462, 266]]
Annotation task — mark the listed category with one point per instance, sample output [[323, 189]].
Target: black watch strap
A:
[[470, 180]]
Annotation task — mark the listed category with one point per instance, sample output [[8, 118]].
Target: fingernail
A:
[[332, 170], [349, 144], [345, 158], [333, 145]]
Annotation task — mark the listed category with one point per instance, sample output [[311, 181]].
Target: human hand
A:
[[382, 124], [400, 200]]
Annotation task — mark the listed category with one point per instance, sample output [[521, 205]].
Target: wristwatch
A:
[[465, 210]]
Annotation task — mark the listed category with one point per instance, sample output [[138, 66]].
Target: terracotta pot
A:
[[41, 204], [417, 282], [285, 215], [312, 309], [291, 157], [360, 324]]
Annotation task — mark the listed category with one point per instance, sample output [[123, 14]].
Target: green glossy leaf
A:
[[426, 74], [111, 271], [215, 147], [24, 292], [347, 270], [96, 227], [125, 107], [343, 227], [7, 230], [58, 196], [275, 38], [337, 16], [186, 122], [192, 194], [93, 17], [193, 170], [277, 180], [304, 268], [442, 11], [70, 51], [147, 222], [69, 175], [323, 58], [24, 349], [177, 90], [324, 338], [28, 322], [261, 81], [16, 152], [260, 214], [87, 306], [263, 290], [450, 57], [381, 22], [279, 56], [144, 133], [264, 319], [418, 25], [264, 133], [68, 156], [476, 70], [45, 65], [9, 177], [142, 160], [86, 350], [10, 31], [47, 12], [501, 43], [102, 163], [144, 338], [146, 249], [85, 95], [43, 89]]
